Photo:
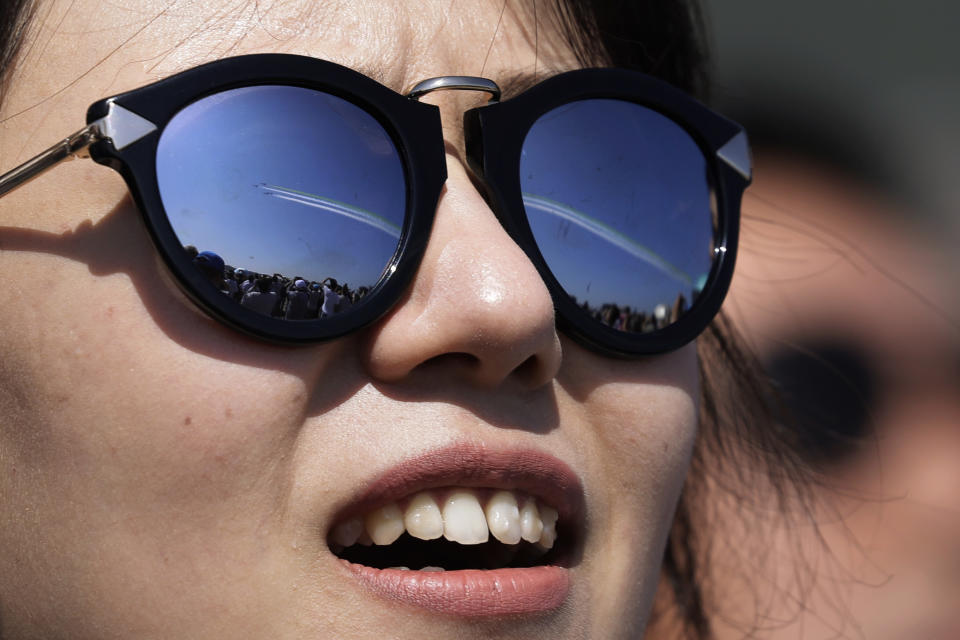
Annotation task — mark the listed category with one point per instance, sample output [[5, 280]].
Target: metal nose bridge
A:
[[463, 83]]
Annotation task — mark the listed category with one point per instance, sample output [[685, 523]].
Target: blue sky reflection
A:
[[618, 201], [282, 179]]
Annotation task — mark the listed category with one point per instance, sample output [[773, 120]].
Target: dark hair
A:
[[664, 38], [14, 19]]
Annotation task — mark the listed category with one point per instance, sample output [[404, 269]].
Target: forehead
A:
[[403, 42], [398, 42]]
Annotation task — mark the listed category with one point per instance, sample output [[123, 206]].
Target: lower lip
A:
[[471, 593]]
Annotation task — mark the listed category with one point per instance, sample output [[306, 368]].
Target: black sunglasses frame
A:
[[494, 135], [412, 125]]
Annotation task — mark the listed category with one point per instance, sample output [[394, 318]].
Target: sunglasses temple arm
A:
[[74, 146]]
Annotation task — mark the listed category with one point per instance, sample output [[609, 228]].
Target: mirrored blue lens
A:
[[619, 201], [289, 200]]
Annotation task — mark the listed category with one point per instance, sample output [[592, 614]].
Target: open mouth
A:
[[451, 529], [466, 530]]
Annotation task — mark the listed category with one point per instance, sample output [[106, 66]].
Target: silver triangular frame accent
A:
[[736, 153], [124, 127]]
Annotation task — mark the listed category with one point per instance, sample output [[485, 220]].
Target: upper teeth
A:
[[467, 516]]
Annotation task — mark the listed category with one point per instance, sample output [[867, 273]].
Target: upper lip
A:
[[528, 470]]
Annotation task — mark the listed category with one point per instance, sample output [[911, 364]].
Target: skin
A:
[[824, 258], [164, 476]]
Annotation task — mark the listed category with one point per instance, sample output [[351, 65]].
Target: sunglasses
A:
[[292, 198]]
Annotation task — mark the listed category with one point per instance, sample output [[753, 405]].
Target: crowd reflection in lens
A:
[[276, 295], [623, 318], [296, 298]]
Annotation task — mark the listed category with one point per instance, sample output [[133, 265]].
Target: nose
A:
[[477, 309]]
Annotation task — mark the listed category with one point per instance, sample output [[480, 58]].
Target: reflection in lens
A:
[[618, 199], [299, 197]]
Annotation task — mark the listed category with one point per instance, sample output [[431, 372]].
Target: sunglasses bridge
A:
[[461, 83]]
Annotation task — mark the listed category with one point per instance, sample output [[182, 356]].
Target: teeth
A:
[[423, 518], [385, 524], [503, 517], [347, 533], [549, 534], [463, 519], [530, 524], [433, 569]]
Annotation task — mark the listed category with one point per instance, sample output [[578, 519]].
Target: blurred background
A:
[[847, 290], [874, 84]]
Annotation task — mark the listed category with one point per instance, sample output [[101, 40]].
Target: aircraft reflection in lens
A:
[[334, 206], [606, 232]]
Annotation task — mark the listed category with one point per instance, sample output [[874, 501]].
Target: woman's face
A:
[[164, 476]]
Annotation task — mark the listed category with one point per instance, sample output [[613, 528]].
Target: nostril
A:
[[530, 371], [458, 360], [540, 367]]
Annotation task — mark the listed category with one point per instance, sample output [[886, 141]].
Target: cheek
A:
[[645, 437], [110, 426], [644, 420], [129, 464]]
